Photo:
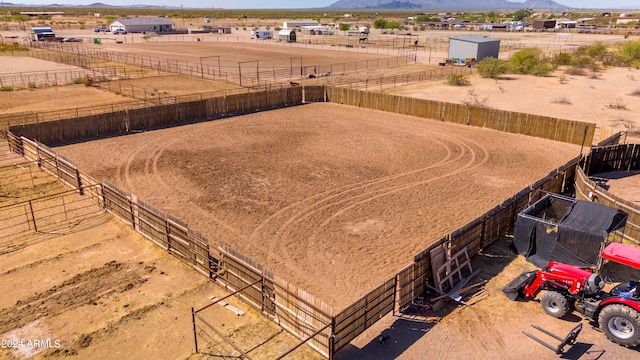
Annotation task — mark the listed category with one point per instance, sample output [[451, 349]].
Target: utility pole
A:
[[182, 7]]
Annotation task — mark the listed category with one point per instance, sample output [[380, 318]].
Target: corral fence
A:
[[248, 74], [416, 77], [308, 318], [588, 186], [48, 213], [573, 132]]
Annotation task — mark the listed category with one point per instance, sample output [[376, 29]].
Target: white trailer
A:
[[262, 34]]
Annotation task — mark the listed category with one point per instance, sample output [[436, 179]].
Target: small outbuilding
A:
[[541, 24], [287, 36], [143, 24], [476, 47]]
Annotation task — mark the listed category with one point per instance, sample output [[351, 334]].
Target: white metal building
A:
[[476, 47], [140, 24], [292, 24]]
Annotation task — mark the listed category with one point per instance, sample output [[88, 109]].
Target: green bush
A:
[[458, 80], [491, 67], [562, 59], [6, 88], [527, 61], [541, 69], [629, 53]]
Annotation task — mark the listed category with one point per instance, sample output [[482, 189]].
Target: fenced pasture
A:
[[296, 310], [254, 66]]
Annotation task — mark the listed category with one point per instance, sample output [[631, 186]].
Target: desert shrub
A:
[[473, 99], [596, 51], [563, 100], [562, 59], [541, 69], [618, 105], [575, 71], [491, 67], [527, 61], [458, 80], [6, 88], [629, 53], [582, 61], [562, 78], [635, 92]]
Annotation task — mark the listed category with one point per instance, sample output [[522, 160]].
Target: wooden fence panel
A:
[[200, 251], [303, 315], [240, 271], [569, 131], [314, 94], [584, 186], [363, 313], [622, 157], [469, 236], [152, 224], [118, 202]]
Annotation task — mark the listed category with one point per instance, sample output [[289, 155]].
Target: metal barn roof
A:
[[475, 39], [145, 21]]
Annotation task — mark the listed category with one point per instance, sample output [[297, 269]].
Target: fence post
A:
[[81, 190], [195, 333], [35, 227]]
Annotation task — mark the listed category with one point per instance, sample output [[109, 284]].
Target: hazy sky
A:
[[292, 4]]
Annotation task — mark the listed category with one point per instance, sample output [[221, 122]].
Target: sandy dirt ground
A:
[[17, 64], [99, 290], [607, 100], [334, 199]]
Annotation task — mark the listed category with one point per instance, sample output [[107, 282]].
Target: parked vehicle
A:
[[617, 312], [119, 31], [71, 39], [101, 29]]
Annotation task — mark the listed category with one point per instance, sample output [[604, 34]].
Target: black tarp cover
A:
[[576, 239]]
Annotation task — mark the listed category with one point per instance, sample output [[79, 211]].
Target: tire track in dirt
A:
[[332, 193], [284, 230], [152, 175]]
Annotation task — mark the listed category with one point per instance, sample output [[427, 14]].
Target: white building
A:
[[138, 25], [292, 24]]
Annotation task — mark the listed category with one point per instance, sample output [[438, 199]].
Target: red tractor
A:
[[617, 311]]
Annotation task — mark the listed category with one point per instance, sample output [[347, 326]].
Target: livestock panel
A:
[[365, 312]]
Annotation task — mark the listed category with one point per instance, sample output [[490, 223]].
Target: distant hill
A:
[[446, 4]]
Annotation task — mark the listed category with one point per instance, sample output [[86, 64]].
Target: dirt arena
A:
[[332, 198]]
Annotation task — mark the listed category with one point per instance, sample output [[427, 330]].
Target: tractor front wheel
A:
[[621, 324], [555, 304]]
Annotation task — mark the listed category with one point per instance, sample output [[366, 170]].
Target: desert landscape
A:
[[333, 198]]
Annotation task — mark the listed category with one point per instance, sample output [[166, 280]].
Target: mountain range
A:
[[447, 4]]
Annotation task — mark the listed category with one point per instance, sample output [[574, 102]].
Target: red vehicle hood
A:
[[623, 254]]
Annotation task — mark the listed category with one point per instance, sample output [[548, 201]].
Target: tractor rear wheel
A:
[[554, 304], [621, 324]]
